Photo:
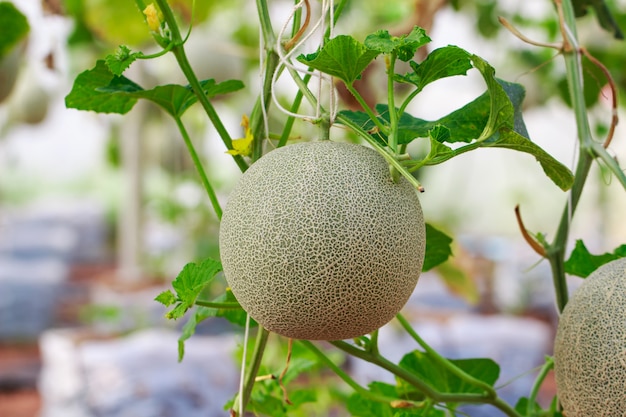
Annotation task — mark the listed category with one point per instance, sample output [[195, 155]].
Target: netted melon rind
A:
[[317, 242], [590, 346]]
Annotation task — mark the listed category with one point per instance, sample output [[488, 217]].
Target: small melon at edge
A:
[[590, 346]]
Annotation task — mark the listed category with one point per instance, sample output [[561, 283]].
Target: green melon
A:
[[318, 242], [590, 346]]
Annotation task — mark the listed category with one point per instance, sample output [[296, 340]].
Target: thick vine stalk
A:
[[574, 74]]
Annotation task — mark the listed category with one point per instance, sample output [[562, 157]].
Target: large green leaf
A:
[[173, 98], [464, 124], [496, 113], [361, 406], [582, 263], [430, 371], [13, 27], [85, 95], [602, 13], [437, 247], [556, 171], [343, 57], [100, 90], [501, 110]]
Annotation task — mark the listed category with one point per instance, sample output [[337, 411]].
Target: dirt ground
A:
[[19, 368], [22, 403]]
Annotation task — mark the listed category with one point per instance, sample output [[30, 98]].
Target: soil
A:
[[19, 368], [23, 403]]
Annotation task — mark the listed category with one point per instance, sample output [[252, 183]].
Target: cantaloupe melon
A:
[[318, 242], [590, 346]]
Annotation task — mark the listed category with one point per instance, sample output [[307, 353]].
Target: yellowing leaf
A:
[[243, 146], [459, 282]]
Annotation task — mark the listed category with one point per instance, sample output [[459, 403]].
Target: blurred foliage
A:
[[117, 22], [13, 27], [605, 45]]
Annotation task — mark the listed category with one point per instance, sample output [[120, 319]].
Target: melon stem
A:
[[253, 369]]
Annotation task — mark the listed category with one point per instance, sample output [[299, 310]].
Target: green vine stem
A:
[[226, 305], [573, 66], [390, 61], [262, 106], [443, 362], [391, 159], [196, 161], [271, 64], [253, 369], [373, 343], [178, 50], [532, 398], [304, 82], [348, 380], [421, 386], [284, 137], [373, 117]]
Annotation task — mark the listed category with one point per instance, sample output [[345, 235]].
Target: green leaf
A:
[[501, 111], [235, 316], [556, 171], [360, 406], [440, 134], [464, 124], [582, 263], [13, 27], [459, 282], [173, 98], [297, 366], [468, 122], [430, 371], [85, 95], [102, 91], [189, 329], [404, 46], [430, 412], [190, 282], [121, 59], [602, 12], [301, 396], [535, 410], [522, 407], [443, 62], [437, 247], [438, 152], [167, 298], [264, 404], [494, 119], [343, 57]]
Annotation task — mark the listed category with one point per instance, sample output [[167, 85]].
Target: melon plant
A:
[[14, 30], [319, 242], [590, 346]]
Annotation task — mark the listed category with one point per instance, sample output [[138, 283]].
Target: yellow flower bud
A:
[[152, 17]]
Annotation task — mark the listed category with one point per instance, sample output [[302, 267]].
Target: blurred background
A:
[[99, 213]]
